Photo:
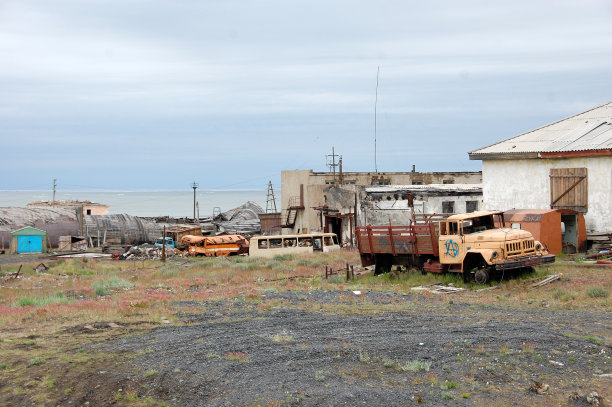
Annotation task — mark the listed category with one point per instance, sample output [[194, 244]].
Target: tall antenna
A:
[[332, 164], [271, 200], [375, 106], [54, 185]]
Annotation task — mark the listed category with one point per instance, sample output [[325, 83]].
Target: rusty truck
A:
[[469, 244]]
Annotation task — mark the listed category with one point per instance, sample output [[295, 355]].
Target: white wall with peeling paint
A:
[[525, 184]]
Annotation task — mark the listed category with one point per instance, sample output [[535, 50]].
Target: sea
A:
[[148, 203]]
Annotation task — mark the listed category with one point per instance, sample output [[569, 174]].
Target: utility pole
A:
[[332, 164], [195, 186], [54, 185], [163, 257]]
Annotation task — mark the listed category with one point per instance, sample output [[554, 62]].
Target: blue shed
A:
[[29, 240]]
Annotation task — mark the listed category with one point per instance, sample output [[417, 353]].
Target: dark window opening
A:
[[89, 211], [448, 181], [471, 206], [448, 207]]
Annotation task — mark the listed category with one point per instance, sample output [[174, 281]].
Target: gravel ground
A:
[[337, 349]]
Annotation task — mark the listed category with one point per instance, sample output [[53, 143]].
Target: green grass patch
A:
[[106, 287], [57, 298], [37, 361], [597, 292]]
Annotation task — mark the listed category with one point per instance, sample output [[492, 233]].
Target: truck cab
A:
[[471, 243], [169, 242]]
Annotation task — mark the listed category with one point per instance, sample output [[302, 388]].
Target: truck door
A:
[[451, 244]]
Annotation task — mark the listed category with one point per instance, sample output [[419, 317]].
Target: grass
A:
[[106, 287], [597, 292], [76, 293]]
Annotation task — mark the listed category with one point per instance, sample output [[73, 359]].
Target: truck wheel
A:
[[383, 265], [482, 276]]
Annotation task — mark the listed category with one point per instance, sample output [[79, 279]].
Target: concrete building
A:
[[323, 201], [563, 165], [86, 207]]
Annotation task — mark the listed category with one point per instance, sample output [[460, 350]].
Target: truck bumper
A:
[[528, 261]]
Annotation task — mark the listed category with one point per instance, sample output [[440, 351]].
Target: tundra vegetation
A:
[[88, 331]]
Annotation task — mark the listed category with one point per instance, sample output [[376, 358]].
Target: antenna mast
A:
[[54, 185], [332, 164], [375, 107], [195, 186], [271, 200]]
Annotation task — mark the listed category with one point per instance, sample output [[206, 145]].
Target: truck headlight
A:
[[538, 246], [494, 255]]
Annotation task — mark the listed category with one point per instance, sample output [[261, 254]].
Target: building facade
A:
[[327, 202], [564, 165]]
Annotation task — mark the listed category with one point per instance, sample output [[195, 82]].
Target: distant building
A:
[[564, 165], [29, 240], [323, 201], [86, 207]]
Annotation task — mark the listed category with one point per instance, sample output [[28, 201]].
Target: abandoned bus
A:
[[270, 246]]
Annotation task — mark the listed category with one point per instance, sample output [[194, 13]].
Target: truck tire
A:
[[383, 264], [482, 276]]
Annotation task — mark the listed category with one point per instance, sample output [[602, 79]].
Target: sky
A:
[[141, 95]]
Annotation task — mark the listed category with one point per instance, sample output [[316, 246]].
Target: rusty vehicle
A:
[[214, 246], [469, 244]]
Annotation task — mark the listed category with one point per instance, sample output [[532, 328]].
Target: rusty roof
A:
[[584, 132]]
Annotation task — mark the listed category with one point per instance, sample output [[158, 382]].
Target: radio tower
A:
[[271, 200]]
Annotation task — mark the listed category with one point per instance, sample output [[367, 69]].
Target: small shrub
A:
[[447, 396], [597, 292], [415, 366], [447, 385], [36, 361], [150, 373], [283, 257], [236, 356], [105, 287], [465, 395], [364, 357]]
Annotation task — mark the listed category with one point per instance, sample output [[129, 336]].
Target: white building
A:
[[564, 165]]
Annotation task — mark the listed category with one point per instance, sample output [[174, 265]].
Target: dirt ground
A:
[[339, 349], [318, 348]]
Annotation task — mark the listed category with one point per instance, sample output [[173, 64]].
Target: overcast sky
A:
[[134, 94]]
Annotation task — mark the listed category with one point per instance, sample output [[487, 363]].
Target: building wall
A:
[[525, 184], [317, 187]]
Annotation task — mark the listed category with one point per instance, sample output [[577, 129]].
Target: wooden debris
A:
[[547, 280], [13, 275], [438, 289], [538, 387], [487, 288]]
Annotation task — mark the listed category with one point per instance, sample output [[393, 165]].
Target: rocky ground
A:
[[338, 348]]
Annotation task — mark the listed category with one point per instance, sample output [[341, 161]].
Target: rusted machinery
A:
[[213, 246]]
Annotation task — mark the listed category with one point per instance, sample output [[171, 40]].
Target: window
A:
[[568, 189], [453, 228], [471, 206], [516, 226], [276, 243], [290, 242], [448, 207], [328, 241], [318, 243], [89, 211], [417, 182], [448, 181], [263, 244]]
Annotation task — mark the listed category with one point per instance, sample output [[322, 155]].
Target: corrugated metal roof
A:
[[427, 187], [590, 130]]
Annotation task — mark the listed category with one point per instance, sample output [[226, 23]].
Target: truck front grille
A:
[[520, 248]]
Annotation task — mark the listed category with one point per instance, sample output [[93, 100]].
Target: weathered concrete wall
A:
[[525, 184], [319, 189]]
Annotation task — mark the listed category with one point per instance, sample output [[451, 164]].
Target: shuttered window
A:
[[568, 189]]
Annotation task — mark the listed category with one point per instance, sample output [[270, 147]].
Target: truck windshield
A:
[[478, 224]]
